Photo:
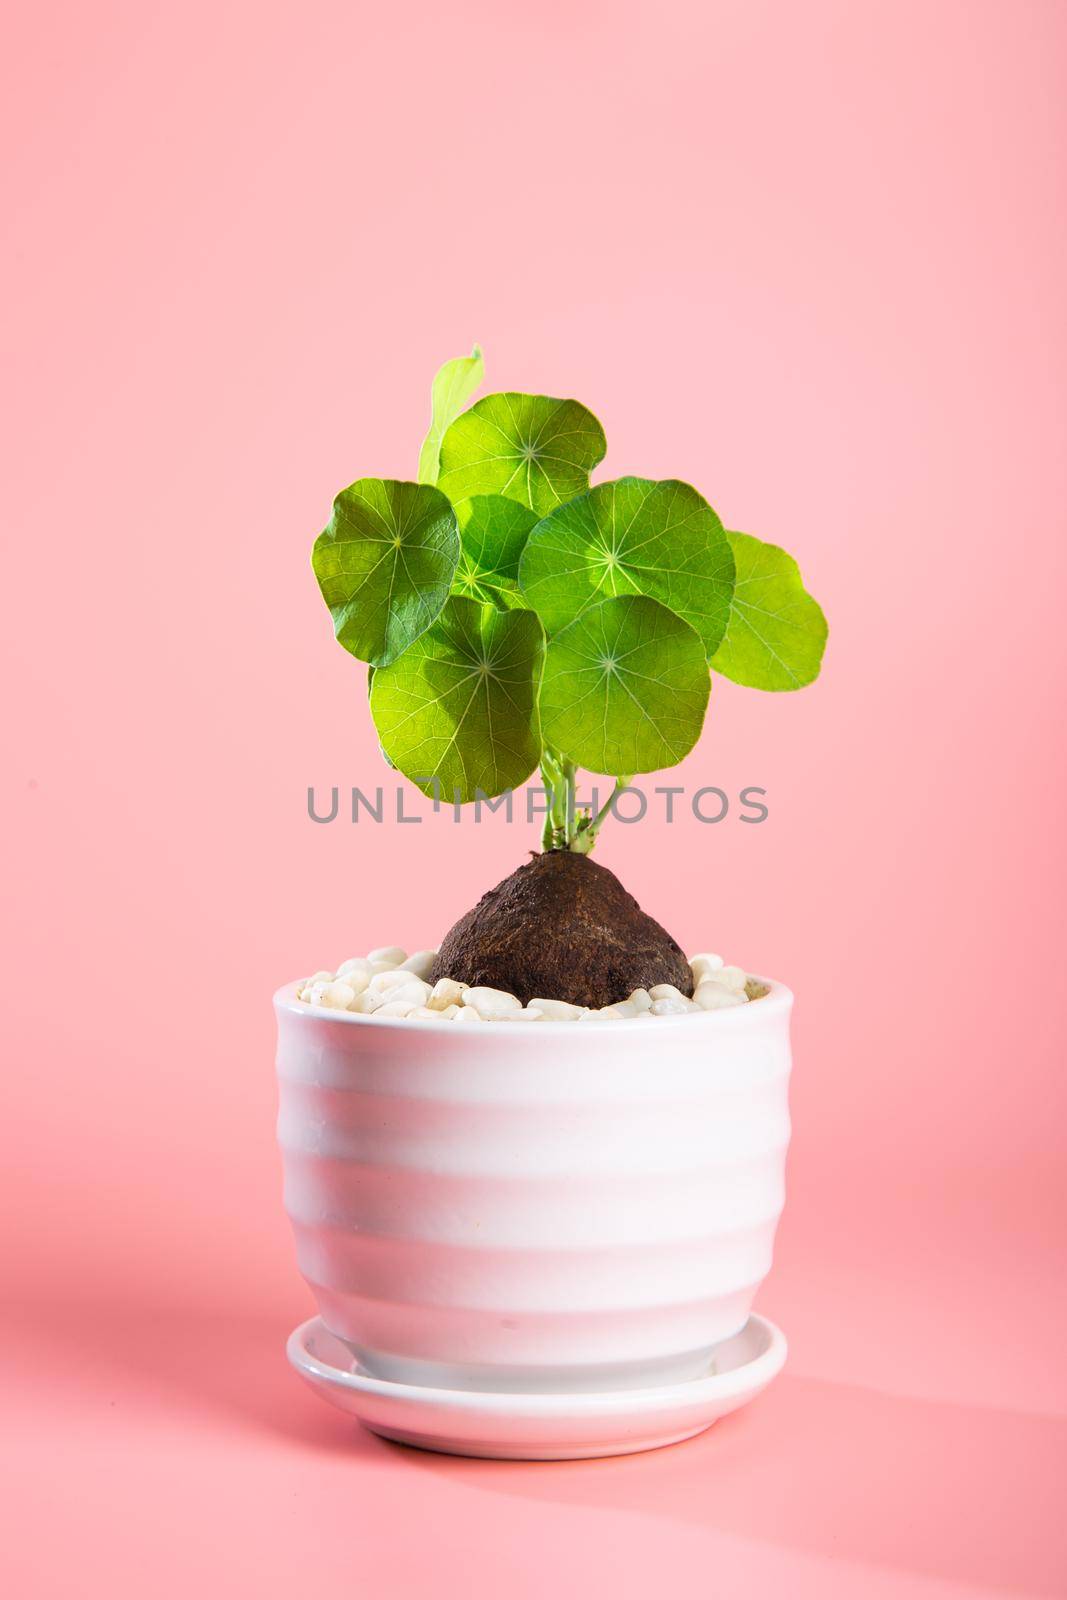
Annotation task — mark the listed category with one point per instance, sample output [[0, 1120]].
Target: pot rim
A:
[[774, 1004]]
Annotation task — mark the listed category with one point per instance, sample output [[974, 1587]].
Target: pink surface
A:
[[810, 258]]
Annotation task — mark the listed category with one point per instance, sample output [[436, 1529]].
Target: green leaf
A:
[[492, 531], [526, 446], [385, 564], [453, 385], [458, 711], [370, 685], [777, 633], [625, 687], [633, 536]]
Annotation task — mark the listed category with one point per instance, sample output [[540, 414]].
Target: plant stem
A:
[[584, 837], [565, 827], [553, 834]]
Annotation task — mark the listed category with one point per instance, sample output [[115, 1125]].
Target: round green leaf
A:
[[777, 633], [492, 531], [625, 687], [457, 712], [453, 385], [528, 447], [385, 564], [633, 536]]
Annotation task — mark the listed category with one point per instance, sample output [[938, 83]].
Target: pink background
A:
[[810, 258]]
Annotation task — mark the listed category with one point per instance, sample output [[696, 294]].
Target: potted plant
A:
[[546, 1159]]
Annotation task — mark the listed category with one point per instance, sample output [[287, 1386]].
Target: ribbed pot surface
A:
[[543, 1206]]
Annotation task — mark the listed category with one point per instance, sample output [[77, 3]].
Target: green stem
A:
[[568, 799], [557, 775], [584, 837], [565, 827]]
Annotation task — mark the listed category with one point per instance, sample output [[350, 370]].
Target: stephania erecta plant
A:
[[514, 616]]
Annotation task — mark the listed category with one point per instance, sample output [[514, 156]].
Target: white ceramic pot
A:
[[534, 1206]]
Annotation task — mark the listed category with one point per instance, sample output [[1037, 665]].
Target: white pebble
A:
[[391, 954], [665, 991], [355, 967], [356, 980], [480, 995], [339, 995], [468, 1014], [383, 982], [420, 963], [621, 1008], [669, 1006], [712, 996], [415, 993], [426, 1015], [318, 977], [558, 1010], [395, 981], [704, 964], [491, 1003], [314, 994], [445, 992], [528, 1014], [641, 1001], [732, 977], [396, 1008], [365, 1003]]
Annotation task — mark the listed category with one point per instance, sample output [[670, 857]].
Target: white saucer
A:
[[540, 1427]]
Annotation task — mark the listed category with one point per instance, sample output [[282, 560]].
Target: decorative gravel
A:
[[389, 983]]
